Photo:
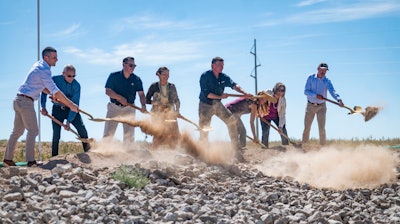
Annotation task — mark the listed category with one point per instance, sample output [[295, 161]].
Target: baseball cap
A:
[[323, 65]]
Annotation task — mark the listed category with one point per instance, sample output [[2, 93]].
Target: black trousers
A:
[[61, 113]]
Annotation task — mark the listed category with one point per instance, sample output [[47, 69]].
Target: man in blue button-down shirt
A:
[[72, 89], [316, 89], [38, 80]]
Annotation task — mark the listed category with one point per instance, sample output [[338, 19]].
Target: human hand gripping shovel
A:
[[295, 144], [368, 114]]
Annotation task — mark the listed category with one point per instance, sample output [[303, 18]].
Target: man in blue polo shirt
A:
[[212, 86], [122, 87], [72, 90]]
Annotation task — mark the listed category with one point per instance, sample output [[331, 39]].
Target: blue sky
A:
[[358, 39]]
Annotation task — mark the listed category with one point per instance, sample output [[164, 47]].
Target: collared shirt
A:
[[126, 87], [38, 79], [210, 84], [71, 90], [315, 85]]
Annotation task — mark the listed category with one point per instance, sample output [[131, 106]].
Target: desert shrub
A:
[[132, 176]]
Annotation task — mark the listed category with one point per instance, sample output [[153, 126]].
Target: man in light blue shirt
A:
[[316, 89], [38, 80], [72, 89]]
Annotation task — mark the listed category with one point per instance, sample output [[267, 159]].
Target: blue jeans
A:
[[265, 132], [62, 114]]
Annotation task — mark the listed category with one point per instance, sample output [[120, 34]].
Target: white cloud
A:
[[148, 52], [309, 2], [348, 12], [72, 31]]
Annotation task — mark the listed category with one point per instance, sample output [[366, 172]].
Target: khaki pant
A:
[[320, 111], [25, 118], [206, 112], [110, 127]]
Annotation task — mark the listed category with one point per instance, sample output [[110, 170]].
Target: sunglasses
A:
[[281, 90], [131, 65], [71, 76]]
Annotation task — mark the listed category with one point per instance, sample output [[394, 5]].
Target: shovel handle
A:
[[191, 122], [285, 136], [62, 125], [80, 110], [235, 95], [252, 139], [84, 112], [334, 102], [267, 97], [137, 108]]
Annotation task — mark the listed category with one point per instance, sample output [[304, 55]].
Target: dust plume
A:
[[212, 152], [148, 127], [111, 152], [365, 166]]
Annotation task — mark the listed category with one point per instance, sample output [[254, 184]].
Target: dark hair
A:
[[217, 59], [161, 69], [127, 59], [47, 51]]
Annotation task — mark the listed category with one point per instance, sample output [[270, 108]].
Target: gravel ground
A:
[[272, 186]]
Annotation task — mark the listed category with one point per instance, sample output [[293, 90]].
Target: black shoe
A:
[[8, 162], [31, 163]]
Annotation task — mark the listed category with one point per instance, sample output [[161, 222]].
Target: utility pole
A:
[[255, 75], [38, 58]]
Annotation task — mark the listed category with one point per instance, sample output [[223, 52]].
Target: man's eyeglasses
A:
[[71, 76], [281, 90], [131, 65]]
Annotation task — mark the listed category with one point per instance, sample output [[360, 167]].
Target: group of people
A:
[[122, 87]]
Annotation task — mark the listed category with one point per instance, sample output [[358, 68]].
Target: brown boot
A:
[[8, 162]]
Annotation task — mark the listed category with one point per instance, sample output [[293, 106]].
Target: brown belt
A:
[[25, 96]]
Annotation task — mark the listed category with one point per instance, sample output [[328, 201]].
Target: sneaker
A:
[[8, 162], [31, 163]]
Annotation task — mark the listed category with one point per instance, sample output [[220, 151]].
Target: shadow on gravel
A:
[[53, 163], [84, 158]]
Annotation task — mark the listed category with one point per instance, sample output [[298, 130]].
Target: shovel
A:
[[196, 125], [259, 143], [266, 96], [295, 144], [84, 140], [369, 112]]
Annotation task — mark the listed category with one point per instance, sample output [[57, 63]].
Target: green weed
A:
[[131, 176]]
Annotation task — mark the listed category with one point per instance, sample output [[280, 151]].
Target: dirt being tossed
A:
[[370, 112]]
